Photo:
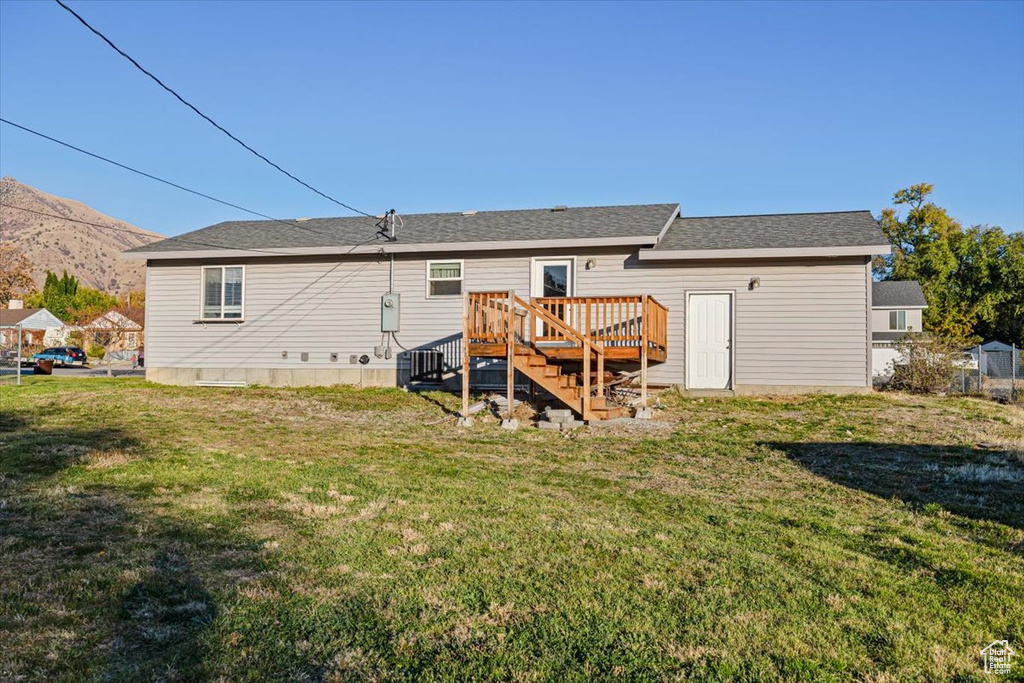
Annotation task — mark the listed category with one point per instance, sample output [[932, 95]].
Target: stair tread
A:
[[564, 387]]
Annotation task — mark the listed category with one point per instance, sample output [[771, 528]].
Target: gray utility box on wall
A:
[[390, 312]]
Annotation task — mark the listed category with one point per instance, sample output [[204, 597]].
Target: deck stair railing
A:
[[501, 323]]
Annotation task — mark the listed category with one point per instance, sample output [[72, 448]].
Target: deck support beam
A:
[[644, 324], [465, 356], [510, 342], [586, 381]]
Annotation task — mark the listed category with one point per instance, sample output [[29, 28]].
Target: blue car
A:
[[62, 355]]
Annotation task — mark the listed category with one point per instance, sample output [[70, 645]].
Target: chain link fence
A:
[[995, 373]]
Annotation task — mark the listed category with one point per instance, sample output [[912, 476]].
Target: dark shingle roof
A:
[[15, 316], [897, 293], [643, 222], [774, 231]]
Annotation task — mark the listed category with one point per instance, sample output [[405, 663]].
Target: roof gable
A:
[[115, 320], [29, 318]]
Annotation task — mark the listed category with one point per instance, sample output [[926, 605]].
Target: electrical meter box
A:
[[390, 308]]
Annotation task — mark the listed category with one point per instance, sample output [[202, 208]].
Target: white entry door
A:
[[553, 278], [708, 341]]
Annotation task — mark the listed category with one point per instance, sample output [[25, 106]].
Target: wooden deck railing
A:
[[636, 321], [503, 320], [639, 321], [488, 319]]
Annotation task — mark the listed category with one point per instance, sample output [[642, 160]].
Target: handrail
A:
[[556, 322], [504, 319], [636, 320], [585, 343]]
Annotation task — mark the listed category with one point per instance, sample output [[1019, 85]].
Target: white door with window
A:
[[553, 278], [709, 341]]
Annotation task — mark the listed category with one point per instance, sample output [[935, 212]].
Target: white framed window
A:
[[444, 278], [898, 320], [223, 296]]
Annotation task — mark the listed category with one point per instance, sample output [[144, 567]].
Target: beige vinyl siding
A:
[[880, 319], [805, 325], [317, 307]]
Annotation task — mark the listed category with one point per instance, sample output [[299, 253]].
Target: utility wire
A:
[[196, 110], [135, 232], [188, 240], [290, 224]]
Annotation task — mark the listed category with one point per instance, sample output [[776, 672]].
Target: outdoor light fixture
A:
[[754, 283], [591, 263]]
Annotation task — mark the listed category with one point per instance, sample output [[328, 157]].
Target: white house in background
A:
[[126, 331], [735, 304], [38, 325], [896, 308]]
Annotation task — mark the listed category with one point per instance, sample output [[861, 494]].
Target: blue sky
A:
[[725, 108]]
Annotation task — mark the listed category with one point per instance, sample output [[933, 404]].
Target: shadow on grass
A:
[[985, 485], [93, 562], [160, 622], [435, 402]]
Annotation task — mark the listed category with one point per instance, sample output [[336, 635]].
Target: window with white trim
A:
[[222, 292], [898, 320], [444, 278]]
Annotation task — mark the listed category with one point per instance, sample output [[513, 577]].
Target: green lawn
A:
[[159, 533]]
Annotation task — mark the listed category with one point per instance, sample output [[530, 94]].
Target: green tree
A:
[[59, 293], [88, 304], [73, 303], [972, 278]]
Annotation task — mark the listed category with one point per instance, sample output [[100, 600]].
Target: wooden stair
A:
[[542, 336], [565, 387]]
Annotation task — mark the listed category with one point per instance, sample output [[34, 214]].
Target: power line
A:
[[290, 224], [134, 232], [196, 110], [188, 240]]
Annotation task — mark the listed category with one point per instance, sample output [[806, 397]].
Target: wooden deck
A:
[[624, 326], [536, 336]]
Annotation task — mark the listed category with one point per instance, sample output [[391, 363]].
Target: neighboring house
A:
[[749, 304], [39, 326], [117, 330], [896, 308]]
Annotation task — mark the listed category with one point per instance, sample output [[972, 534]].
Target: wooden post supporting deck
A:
[[465, 355], [510, 335], [600, 356], [586, 381], [644, 325]]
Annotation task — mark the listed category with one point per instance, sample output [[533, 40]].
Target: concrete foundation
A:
[[368, 376], [771, 390], [277, 377]]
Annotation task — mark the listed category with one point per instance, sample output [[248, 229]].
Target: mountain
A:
[[90, 253]]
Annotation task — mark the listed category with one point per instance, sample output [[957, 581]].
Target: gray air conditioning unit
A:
[[426, 366]]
